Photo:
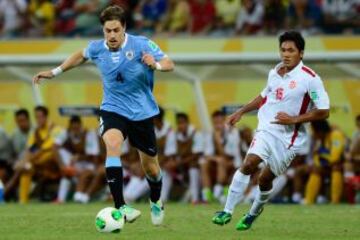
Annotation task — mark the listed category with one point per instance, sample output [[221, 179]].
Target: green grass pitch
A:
[[71, 221]]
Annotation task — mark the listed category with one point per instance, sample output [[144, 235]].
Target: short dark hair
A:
[[75, 119], [357, 118], [295, 37], [182, 115], [113, 13], [42, 109], [321, 126], [22, 111], [218, 113]]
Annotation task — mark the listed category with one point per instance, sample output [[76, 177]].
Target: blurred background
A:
[[223, 50]]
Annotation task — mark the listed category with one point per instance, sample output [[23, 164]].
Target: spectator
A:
[[352, 167], [189, 143], [78, 149], [129, 6], [202, 16], [150, 13], [327, 154], [221, 152], [5, 155], [42, 17], [304, 15], [12, 17], [87, 21], [65, 17], [40, 162], [21, 134], [250, 18], [340, 16], [18, 147], [226, 12], [166, 144], [176, 18], [274, 17]]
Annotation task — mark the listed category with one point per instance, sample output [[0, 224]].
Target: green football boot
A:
[[130, 213], [246, 221], [221, 218]]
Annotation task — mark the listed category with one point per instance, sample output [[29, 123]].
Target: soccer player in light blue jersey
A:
[[127, 64]]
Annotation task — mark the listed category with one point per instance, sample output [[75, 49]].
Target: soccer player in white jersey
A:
[[127, 65], [294, 94]]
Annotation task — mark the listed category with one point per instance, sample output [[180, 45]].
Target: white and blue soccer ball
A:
[[109, 220]]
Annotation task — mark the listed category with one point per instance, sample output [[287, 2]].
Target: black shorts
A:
[[141, 134]]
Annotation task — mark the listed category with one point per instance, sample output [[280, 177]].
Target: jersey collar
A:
[[292, 72], [122, 45]]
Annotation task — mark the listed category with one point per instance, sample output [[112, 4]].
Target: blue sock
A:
[[113, 162]]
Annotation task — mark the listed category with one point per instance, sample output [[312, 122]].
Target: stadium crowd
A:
[[54, 163], [72, 18]]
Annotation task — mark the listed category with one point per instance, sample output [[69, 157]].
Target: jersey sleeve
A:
[[89, 51], [153, 49], [92, 144], [317, 93]]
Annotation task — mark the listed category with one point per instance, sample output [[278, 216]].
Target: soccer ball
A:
[[109, 220]]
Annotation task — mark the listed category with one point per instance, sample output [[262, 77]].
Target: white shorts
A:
[[272, 151]]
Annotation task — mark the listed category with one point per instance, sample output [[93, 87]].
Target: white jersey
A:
[[295, 93]]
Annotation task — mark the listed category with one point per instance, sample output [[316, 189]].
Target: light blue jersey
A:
[[127, 82]]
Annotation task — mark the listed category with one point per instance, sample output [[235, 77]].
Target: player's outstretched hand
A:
[[233, 118], [149, 60], [42, 75], [284, 119]]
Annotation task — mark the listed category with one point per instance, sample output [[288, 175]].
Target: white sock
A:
[[64, 188], [166, 186], [135, 189], [250, 197], [218, 191], [194, 175], [260, 200], [237, 187], [278, 184]]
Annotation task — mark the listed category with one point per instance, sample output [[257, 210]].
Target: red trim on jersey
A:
[[308, 70], [304, 106], [263, 101]]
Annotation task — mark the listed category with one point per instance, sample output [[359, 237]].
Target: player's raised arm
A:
[[253, 105], [74, 60]]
